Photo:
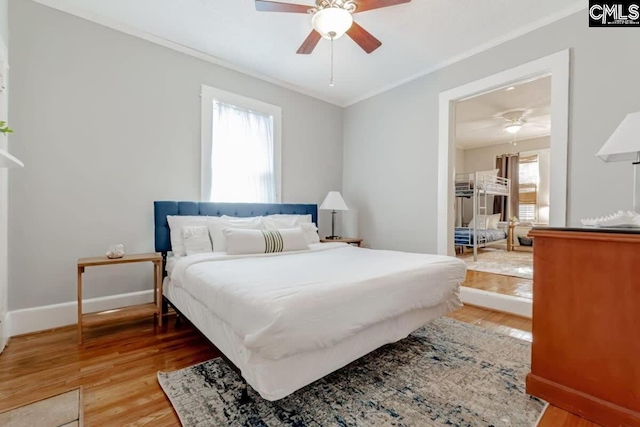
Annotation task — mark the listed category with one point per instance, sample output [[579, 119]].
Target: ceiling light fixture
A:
[[332, 23], [513, 128], [332, 19]]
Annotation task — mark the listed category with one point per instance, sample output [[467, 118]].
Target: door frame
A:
[[557, 66]]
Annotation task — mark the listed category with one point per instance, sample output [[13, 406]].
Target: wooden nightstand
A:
[[350, 240], [125, 313]]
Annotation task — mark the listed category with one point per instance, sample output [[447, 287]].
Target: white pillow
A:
[[302, 219], [310, 233], [176, 224], [492, 221], [293, 221], [196, 239], [240, 218], [280, 223], [492, 172], [481, 222], [216, 230], [243, 241]]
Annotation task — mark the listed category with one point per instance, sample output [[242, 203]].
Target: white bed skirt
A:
[[275, 379]]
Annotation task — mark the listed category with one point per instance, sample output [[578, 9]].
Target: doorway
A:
[[495, 132]]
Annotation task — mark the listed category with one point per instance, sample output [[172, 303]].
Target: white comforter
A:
[[283, 304]]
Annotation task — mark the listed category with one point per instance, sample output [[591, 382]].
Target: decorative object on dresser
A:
[[620, 219], [124, 313], [350, 240], [333, 202], [624, 146], [586, 312]]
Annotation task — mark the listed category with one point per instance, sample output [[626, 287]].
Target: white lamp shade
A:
[[332, 21], [624, 144], [334, 202]]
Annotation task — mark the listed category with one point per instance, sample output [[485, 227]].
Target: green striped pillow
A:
[[246, 241]]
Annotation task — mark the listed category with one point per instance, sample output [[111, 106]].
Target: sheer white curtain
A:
[[242, 155]]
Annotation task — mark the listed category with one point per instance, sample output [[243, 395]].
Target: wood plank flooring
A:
[[505, 285], [117, 367]]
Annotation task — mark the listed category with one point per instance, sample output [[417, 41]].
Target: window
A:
[[529, 177], [240, 148]]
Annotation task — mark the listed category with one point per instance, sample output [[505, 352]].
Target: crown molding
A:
[[574, 8], [64, 6]]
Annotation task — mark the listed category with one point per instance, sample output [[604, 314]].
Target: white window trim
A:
[[207, 96]]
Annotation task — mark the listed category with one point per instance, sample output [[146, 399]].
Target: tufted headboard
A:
[[162, 209]]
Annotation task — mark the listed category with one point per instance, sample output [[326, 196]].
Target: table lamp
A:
[[333, 202], [624, 146]]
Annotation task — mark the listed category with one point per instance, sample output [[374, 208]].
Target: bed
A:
[[464, 236], [285, 320]]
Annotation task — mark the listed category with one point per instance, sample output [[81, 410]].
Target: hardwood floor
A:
[[117, 367], [506, 285]]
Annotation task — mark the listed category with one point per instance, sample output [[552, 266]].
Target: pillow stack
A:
[[274, 233]]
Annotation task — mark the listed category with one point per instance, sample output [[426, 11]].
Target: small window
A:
[[529, 177], [240, 149]]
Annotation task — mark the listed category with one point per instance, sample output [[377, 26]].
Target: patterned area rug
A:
[[445, 374], [516, 264]]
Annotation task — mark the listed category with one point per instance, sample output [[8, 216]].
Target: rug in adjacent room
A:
[[496, 261], [445, 374], [62, 410]]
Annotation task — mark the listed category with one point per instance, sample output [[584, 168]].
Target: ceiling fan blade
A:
[[364, 5], [272, 6], [364, 39], [310, 43]]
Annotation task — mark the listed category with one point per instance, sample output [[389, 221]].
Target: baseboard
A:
[[37, 319], [518, 306], [584, 405], [5, 330]]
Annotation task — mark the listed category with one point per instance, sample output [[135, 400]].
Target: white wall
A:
[[484, 158], [4, 20], [460, 165], [106, 124], [391, 140], [4, 195]]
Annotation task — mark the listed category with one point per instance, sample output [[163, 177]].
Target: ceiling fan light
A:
[[513, 128], [332, 22]]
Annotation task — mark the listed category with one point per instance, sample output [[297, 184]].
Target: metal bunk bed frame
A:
[[478, 186]]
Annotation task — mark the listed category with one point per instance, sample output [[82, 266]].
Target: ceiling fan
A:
[[515, 120], [332, 19]]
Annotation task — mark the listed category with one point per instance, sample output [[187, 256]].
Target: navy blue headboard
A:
[[162, 209]]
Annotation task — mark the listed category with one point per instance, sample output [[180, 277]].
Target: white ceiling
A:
[[480, 121], [417, 37]]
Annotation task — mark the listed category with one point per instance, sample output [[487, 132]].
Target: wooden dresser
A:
[[586, 323]]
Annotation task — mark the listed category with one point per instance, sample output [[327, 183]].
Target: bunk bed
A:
[[478, 186]]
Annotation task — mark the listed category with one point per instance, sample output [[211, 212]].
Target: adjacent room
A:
[[360, 213], [502, 165]]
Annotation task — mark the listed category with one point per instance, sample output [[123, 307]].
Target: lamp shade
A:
[[624, 144], [334, 202]]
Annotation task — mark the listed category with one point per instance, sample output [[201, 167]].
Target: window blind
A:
[[529, 176]]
